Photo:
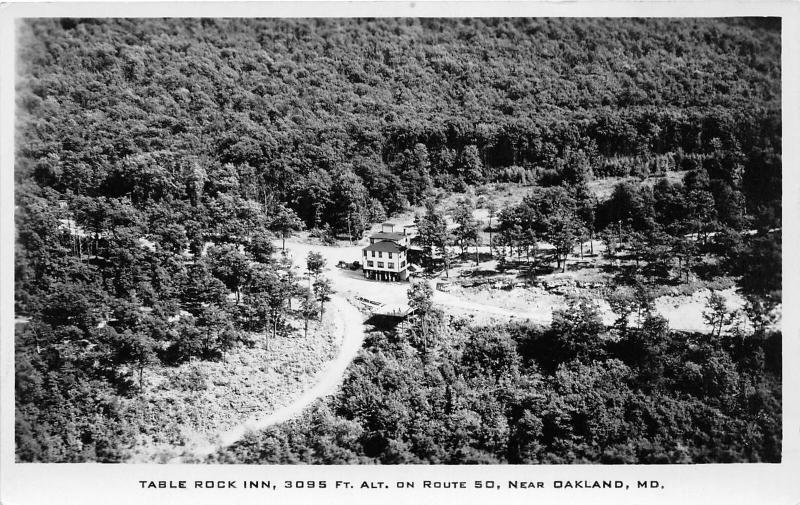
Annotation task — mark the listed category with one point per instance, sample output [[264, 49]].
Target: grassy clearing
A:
[[197, 400]]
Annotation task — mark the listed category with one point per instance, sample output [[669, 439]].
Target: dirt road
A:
[[348, 283], [683, 312], [351, 323], [352, 336]]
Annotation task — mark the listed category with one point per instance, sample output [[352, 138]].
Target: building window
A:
[[390, 255], [402, 263], [370, 263], [391, 265], [373, 254], [380, 254], [380, 264]]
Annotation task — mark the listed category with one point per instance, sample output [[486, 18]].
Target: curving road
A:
[[344, 283], [351, 325]]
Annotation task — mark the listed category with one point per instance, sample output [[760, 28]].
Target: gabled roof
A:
[[385, 246]]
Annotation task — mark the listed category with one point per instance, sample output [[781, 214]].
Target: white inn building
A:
[[386, 256]]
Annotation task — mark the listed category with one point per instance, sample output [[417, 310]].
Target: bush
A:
[[190, 378]]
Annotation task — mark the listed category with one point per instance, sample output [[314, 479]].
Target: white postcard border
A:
[[118, 483]]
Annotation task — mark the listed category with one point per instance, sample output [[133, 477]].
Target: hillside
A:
[[391, 104], [162, 164]]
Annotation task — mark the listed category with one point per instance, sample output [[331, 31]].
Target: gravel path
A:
[[351, 283], [351, 323], [352, 337]]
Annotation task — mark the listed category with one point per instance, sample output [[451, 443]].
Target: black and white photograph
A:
[[398, 241], [554, 242]]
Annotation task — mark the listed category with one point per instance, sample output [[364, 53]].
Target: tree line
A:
[[442, 392], [345, 121], [106, 290], [659, 233], [159, 162]]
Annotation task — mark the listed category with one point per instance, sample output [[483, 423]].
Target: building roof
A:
[[399, 310], [385, 246], [382, 235]]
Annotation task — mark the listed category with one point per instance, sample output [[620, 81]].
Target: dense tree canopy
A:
[[297, 110], [572, 393], [158, 161]]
